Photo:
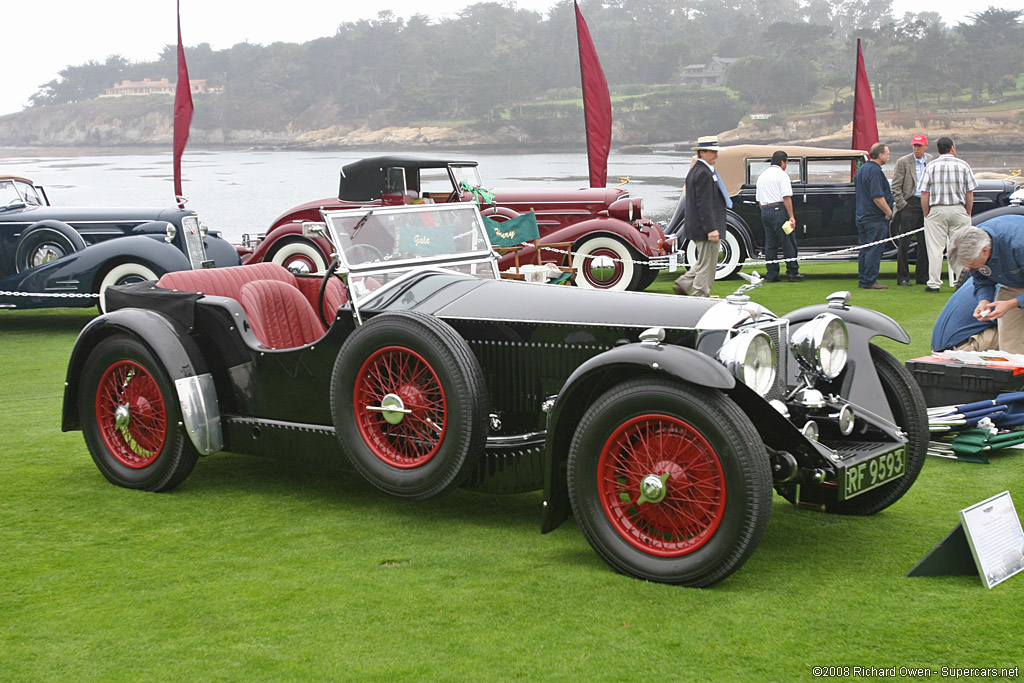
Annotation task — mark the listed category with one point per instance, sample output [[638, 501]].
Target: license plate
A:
[[872, 473]]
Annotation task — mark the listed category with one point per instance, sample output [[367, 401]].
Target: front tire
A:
[[669, 482], [409, 404], [604, 263], [123, 274], [730, 255], [131, 419]]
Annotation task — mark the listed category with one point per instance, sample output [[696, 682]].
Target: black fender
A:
[[61, 227], [223, 253], [596, 376], [176, 351], [859, 381], [1013, 210]]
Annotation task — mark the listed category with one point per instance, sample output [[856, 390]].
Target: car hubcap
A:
[[130, 414], [401, 409], [661, 485], [45, 254], [602, 268]]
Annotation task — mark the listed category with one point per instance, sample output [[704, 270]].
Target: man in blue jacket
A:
[[957, 329], [994, 253]]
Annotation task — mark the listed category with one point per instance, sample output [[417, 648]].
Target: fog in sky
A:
[[41, 39]]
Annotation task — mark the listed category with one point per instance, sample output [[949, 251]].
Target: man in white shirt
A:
[[775, 199]]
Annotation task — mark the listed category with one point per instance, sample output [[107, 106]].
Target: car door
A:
[[826, 217]]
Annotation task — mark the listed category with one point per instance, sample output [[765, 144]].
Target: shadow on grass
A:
[[69, 321], [338, 488]]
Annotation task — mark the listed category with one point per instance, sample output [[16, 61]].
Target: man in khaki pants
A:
[[947, 196], [994, 253], [704, 220]]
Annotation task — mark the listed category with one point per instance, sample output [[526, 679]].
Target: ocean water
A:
[[243, 191]]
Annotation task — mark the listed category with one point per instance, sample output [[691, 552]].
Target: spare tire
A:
[[409, 404], [44, 242]]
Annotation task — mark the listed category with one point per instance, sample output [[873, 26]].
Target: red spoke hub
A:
[[411, 432], [661, 485], [131, 414]]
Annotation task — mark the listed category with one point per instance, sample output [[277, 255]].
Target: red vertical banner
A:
[[597, 104], [182, 114], [865, 128]]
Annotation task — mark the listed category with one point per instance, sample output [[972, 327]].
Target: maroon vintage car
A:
[[613, 245]]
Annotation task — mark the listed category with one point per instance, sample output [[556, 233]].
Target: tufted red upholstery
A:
[[224, 281], [280, 316], [280, 306]]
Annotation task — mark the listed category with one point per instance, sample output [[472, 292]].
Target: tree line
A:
[[494, 63]]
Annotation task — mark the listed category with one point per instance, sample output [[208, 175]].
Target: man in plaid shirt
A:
[[947, 195]]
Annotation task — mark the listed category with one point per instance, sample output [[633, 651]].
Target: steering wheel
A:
[[328, 274], [352, 253]]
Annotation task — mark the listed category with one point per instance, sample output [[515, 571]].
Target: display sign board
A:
[[988, 541], [994, 534]]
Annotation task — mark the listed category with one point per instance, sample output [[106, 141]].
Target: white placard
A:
[[996, 539], [673, 262]]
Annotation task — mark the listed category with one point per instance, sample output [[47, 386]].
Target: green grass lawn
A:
[[263, 569]]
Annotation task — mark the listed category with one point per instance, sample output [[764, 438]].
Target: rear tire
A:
[[709, 511], [131, 419], [730, 255]]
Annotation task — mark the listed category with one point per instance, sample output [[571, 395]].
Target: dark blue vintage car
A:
[[68, 257], [823, 202], [661, 423]]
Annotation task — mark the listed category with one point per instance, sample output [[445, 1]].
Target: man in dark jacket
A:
[[907, 197], [706, 201]]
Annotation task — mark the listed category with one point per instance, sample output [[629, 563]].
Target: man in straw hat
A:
[[704, 222]]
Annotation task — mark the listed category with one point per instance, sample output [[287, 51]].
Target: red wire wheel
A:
[[411, 434], [661, 485], [131, 414]]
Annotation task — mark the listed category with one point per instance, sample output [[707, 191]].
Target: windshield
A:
[[389, 238], [18, 192]]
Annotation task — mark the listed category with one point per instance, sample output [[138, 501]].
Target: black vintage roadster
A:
[[662, 423]]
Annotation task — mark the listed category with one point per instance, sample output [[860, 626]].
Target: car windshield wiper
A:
[[360, 223]]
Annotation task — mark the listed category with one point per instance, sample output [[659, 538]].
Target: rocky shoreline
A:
[[104, 127]]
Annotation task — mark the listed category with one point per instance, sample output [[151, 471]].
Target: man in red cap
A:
[[906, 193]]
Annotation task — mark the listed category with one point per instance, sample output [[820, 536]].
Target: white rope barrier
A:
[[52, 295]]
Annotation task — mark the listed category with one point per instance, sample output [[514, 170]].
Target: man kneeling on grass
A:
[[994, 254]]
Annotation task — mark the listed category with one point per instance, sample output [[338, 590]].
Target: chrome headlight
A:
[[204, 230], [172, 232], [821, 346], [751, 357]]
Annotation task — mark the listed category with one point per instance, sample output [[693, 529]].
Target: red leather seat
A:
[[280, 316], [280, 306]]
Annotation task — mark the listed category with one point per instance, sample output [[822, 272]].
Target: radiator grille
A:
[[193, 241], [778, 331]]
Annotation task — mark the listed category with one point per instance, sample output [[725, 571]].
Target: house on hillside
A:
[[148, 87], [710, 74]]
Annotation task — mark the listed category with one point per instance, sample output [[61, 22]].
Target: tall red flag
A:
[[182, 114], [597, 104], [865, 128]]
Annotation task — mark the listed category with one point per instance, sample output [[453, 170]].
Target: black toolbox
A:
[[946, 382]]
